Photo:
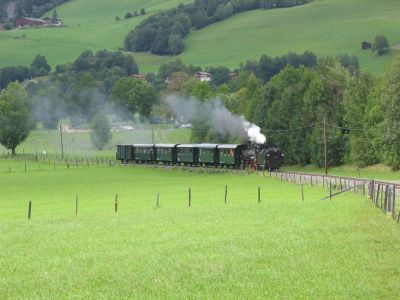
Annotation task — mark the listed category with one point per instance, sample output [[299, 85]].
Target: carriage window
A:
[[228, 152], [206, 151]]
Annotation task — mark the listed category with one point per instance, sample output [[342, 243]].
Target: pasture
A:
[[90, 24], [79, 143], [326, 27], [278, 248]]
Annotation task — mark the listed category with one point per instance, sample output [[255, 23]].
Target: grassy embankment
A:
[[280, 248], [326, 27]]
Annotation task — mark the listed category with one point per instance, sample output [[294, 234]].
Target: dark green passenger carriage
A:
[[125, 153], [208, 154], [166, 153], [231, 155], [187, 154], [144, 152]]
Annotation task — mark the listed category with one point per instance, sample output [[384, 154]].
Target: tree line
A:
[[163, 33]]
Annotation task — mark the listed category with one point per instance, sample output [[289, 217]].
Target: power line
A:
[[344, 128]]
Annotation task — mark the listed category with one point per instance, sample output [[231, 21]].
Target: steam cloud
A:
[[217, 116]]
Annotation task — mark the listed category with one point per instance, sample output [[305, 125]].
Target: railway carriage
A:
[[166, 153], [188, 154], [208, 154], [144, 153], [125, 153], [231, 155]]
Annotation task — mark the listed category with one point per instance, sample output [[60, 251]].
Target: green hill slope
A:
[[90, 24], [326, 27]]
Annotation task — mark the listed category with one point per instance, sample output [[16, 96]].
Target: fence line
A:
[[383, 194]]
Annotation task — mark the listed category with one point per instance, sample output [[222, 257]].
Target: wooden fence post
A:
[[302, 192], [330, 190], [29, 210], [76, 204], [377, 196], [386, 198], [226, 192], [394, 202]]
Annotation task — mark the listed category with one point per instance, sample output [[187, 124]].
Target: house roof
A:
[[143, 145], [229, 146], [208, 146], [31, 19], [187, 146], [166, 145]]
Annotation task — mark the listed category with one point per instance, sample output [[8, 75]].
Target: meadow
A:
[[79, 143], [90, 24], [278, 248], [326, 27]]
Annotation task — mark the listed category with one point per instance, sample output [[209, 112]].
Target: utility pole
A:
[[62, 144], [325, 147]]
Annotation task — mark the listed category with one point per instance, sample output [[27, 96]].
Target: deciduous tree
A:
[[16, 120]]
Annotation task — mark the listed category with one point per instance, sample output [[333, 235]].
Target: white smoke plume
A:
[[217, 116]]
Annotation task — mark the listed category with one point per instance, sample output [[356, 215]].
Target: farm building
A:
[[139, 76], [203, 76], [53, 21], [27, 22]]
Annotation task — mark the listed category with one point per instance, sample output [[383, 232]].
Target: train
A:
[[235, 156]]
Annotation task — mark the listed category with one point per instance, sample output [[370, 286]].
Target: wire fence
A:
[[383, 194]]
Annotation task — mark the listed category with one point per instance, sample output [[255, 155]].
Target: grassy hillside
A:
[[280, 248], [90, 25], [327, 27]]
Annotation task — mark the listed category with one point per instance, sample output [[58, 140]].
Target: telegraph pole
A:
[[325, 147], [62, 144]]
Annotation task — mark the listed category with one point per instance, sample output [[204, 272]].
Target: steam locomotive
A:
[[207, 155]]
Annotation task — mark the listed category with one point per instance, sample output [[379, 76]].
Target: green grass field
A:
[[280, 248], [79, 143], [326, 27], [90, 24]]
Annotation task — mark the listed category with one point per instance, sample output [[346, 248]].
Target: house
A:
[[53, 21], [27, 22], [139, 76], [203, 76]]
